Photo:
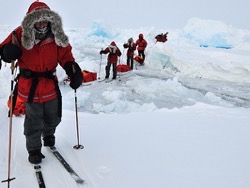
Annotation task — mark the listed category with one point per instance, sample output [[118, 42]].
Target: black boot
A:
[[49, 140], [35, 156]]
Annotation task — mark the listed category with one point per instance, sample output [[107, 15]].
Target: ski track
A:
[[53, 166], [81, 168]]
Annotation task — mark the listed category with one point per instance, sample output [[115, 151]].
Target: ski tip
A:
[[80, 181], [77, 178]]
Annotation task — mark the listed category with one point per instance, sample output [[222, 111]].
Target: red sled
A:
[[89, 76], [123, 68], [19, 108], [139, 59]]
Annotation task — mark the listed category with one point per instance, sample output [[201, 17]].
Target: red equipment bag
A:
[[89, 76], [123, 68], [19, 108], [139, 59]]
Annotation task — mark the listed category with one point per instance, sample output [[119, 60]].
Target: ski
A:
[[103, 80], [87, 83], [109, 80], [60, 158], [39, 176]]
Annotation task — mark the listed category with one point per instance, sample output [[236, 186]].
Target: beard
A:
[[41, 34]]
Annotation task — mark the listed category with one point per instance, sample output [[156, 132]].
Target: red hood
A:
[[113, 43], [37, 6]]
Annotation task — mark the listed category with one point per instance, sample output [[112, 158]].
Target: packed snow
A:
[[179, 121]]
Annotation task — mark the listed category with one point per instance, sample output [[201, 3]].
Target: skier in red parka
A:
[[141, 44], [131, 46], [161, 37], [39, 45], [113, 52]]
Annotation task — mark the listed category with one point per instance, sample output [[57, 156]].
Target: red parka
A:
[[131, 48], [141, 43], [113, 51]]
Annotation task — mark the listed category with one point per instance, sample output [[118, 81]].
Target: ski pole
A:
[[122, 55], [12, 67], [78, 146], [100, 65], [9, 179]]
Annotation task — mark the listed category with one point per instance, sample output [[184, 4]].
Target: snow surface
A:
[[180, 121]]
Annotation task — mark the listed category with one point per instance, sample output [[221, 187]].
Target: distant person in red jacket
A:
[[113, 52], [131, 46], [39, 45], [161, 37], [141, 44]]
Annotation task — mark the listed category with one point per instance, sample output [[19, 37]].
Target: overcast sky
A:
[[162, 14]]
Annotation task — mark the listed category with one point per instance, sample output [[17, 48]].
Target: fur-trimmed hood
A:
[[37, 13], [112, 47]]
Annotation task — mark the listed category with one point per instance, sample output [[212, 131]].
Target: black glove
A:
[[102, 51], [10, 52], [75, 74]]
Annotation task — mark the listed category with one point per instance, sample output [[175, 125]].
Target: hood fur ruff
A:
[[28, 35]]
